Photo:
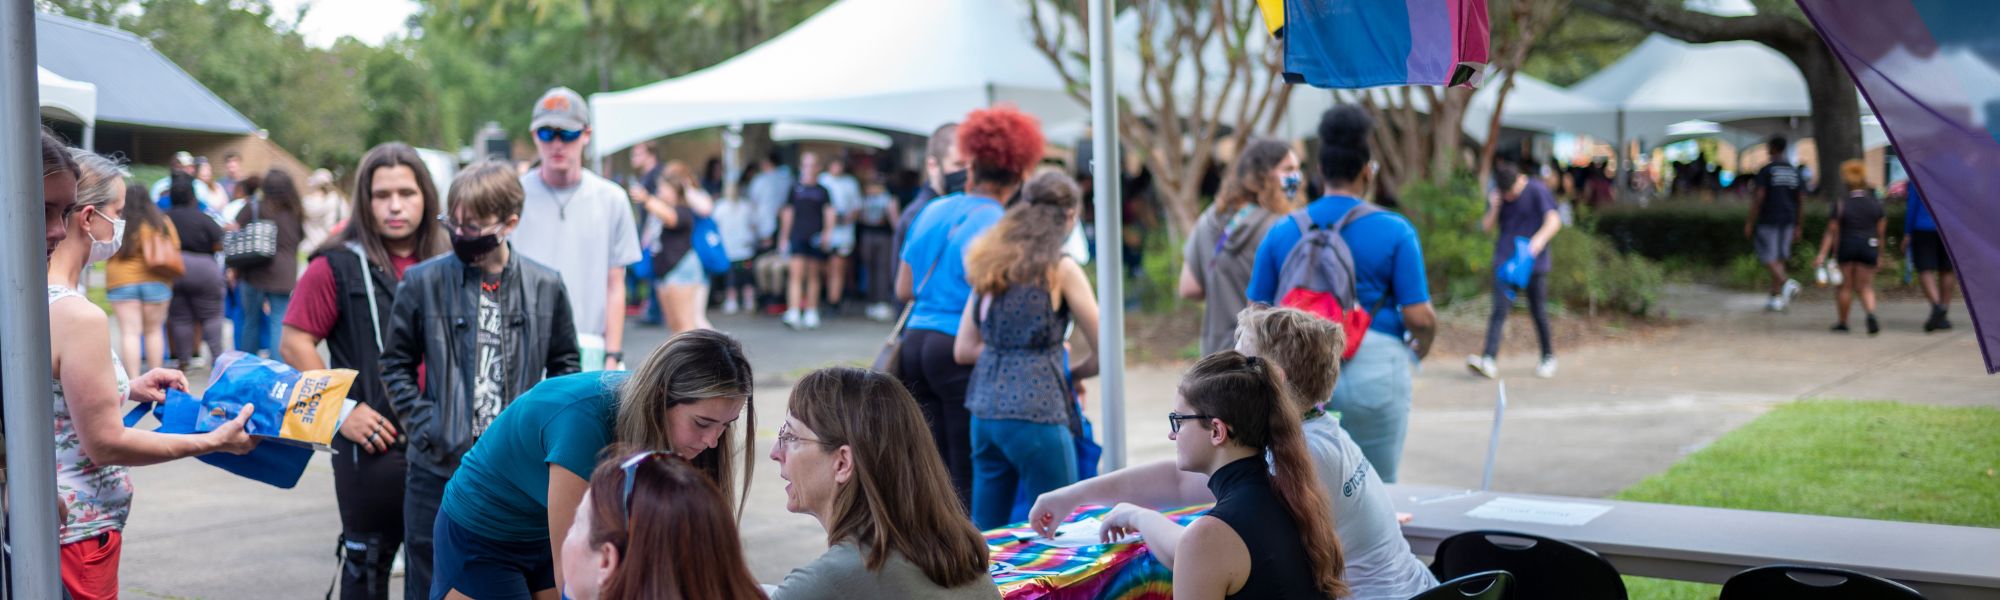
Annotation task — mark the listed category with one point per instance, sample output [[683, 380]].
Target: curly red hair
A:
[[1001, 143]]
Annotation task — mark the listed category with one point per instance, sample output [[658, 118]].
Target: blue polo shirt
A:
[[940, 236], [1388, 260], [501, 489]]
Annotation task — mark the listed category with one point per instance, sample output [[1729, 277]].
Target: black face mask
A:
[[954, 182], [470, 249]]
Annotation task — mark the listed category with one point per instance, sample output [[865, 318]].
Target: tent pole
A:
[[1105, 176], [24, 352]]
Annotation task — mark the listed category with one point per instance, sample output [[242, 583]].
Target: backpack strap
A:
[[368, 283]]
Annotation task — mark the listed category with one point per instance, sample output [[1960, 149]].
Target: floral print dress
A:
[[95, 499]]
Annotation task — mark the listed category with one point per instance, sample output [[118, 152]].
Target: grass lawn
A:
[[1871, 460]]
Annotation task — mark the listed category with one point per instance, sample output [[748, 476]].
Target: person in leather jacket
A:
[[484, 324]]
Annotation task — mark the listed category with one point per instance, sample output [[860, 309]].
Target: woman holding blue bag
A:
[[93, 446], [1520, 207], [683, 283]]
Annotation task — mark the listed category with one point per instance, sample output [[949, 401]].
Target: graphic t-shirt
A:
[[1781, 182], [487, 399]]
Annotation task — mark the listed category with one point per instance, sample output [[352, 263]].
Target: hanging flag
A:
[[1931, 70], [1274, 16], [1369, 43]]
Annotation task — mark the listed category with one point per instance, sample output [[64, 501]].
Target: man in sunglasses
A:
[[579, 224]]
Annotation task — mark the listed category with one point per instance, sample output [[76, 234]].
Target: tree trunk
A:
[[1492, 144], [1836, 120]]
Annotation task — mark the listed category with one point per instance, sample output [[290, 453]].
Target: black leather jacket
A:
[[435, 324]]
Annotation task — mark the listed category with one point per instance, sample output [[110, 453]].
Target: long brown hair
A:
[[430, 237], [677, 541], [692, 366], [900, 499], [1024, 247], [141, 214], [281, 192], [1247, 394], [1250, 181]]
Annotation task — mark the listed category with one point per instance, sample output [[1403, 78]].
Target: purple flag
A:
[[1931, 70]]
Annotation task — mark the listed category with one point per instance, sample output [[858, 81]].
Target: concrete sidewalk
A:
[[1616, 413]]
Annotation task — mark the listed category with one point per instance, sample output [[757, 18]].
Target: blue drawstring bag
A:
[[708, 247], [1517, 271], [290, 406]]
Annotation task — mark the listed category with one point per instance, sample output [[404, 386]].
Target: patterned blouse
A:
[[94, 499], [1020, 375]]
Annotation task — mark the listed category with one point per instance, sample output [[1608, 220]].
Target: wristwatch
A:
[[617, 355]]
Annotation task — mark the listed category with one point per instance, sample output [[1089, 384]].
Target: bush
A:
[[1710, 234], [1589, 272]]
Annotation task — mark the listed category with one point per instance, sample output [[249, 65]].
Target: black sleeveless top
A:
[[1245, 501]]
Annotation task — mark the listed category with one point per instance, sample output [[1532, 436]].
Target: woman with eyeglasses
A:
[[854, 455], [515, 494], [84, 201], [654, 527], [1270, 534]]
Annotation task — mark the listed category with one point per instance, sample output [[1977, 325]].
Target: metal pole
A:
[[1105, 173], [24, 350]]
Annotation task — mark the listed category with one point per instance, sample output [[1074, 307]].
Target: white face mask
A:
[[104, 250]]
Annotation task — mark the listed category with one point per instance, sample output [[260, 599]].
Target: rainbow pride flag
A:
[[1931, 70], [1369, 43], [1027, 569]]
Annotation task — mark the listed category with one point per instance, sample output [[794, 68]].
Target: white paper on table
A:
[[1083, 533], [1538, 511]]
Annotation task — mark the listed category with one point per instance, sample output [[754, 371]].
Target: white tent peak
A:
[[77, 98], [888, 64]]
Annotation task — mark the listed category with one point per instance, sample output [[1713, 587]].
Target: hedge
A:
[[1706, 234]]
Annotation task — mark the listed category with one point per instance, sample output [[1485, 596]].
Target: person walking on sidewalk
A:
[[1856, 230], [344, 299], [1520, 207], [1925, 248], [1777, 221]]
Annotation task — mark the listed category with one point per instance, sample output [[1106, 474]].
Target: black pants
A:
[[425, 490], [369, 488], [1538, 300], [938, 382]]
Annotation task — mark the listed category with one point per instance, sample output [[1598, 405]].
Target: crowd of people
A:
[[504, 445]]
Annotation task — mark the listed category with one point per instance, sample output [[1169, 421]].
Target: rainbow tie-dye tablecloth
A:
[[1027, 569]]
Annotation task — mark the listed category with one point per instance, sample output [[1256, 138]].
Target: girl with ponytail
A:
[[1270, 534]]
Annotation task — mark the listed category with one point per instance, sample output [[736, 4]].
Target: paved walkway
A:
[[1619, 411]]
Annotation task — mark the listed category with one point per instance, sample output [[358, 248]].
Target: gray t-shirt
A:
[[842, 574], [582, 232], [1379, 561], [1221, 253]]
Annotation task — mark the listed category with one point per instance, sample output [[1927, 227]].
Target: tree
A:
[[1836, 113], [1207, 71], [1531, 20]]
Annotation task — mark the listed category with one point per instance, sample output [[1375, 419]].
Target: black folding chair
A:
[[1543, 568], [1813, 583], [1490, 585]]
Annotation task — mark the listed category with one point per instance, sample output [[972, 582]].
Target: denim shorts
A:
[[686, 272], [151, 292]]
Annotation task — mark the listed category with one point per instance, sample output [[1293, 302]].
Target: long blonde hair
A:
[[900, 499], [692, 366]]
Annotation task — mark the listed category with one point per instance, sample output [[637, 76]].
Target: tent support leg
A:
[[1105, 175]]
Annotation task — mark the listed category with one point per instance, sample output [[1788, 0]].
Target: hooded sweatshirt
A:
[[1221, 253]]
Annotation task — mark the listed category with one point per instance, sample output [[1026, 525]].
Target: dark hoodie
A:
[[1222, 261]]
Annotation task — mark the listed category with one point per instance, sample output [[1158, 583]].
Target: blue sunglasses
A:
[[631, 468], [550, 134]]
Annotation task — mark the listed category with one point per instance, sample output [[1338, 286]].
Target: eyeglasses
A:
[[1174, 420], [550, 134], [465, 229], [631, 468], [789, 439]]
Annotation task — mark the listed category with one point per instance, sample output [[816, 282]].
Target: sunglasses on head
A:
[[550, 134], [631, 468]]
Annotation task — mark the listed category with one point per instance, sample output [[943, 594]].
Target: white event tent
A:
[[1665, 81], [72, 100], [887, 64]]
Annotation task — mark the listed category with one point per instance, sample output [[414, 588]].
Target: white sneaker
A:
[[812, 318], [1547, 369], [1792, 288], [791, 318], [1483, 365], [880, 312], [729, 306], [1774, 304]]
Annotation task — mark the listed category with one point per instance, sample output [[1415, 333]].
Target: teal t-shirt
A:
[[501, 489]]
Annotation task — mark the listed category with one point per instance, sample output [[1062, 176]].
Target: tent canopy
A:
[[1666, 81], [901, 66], [1537, 105], [76, 100]]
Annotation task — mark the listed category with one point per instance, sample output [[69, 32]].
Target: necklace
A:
[[562, 201]]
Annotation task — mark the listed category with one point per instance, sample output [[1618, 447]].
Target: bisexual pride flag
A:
[[1368, 43], [1931, 70]]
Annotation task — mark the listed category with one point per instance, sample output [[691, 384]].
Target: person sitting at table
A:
[[1270, 533], [1305, 348], [663, 516], [505, 512], [856, 455]]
